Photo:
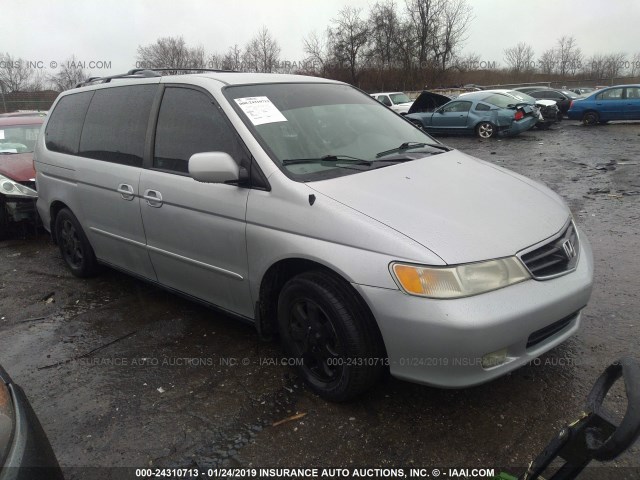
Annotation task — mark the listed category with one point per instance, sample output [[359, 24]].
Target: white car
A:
[[399, 102]]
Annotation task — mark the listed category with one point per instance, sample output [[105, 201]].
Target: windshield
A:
[[18, 139], [399, 98], [570, 94], [315, 131]]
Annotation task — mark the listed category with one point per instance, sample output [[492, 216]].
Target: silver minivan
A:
[[306, 207]]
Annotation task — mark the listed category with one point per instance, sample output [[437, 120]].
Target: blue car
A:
[[485, 114], [621, 102]]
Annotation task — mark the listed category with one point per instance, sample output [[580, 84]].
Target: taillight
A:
[[519, 115], [571, 105]]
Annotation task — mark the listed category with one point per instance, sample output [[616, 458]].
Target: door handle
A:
[[126, 191], [153, 198]]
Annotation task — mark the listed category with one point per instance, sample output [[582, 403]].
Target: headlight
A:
[[14, 189], [6, 420], [461, 280]]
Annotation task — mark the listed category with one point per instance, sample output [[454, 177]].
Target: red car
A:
[[18, 134]]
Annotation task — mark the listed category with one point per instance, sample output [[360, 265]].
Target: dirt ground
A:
[[124, 374]]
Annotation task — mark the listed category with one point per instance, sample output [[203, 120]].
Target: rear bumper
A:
[[575, 114], [519, 126], [442, 342]]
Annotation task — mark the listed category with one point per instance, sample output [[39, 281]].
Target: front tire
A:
[[485, 130], [590, 118], [74, 246], [330, 331]]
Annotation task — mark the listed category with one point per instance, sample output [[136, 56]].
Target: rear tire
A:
[[329, 328], [485, 130], [590, 118], [74, 245]]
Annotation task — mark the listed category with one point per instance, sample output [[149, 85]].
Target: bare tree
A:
[[170, 52], [454, 21], [520, 57], [615, 64], [348, 38], [384, 25], [548, 61], [69, 75], [262, 53], [232, 60], [424, 16], [569, 56], [315, 47], [15, 75], [635, 64]]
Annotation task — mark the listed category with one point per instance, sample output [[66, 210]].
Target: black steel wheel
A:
[[74, 245], [590, 118], [329, 331]]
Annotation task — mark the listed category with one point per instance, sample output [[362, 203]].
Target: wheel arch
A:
[[54, 209], [274, 279]]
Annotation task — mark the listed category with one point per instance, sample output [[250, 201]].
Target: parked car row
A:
[[504, 112]]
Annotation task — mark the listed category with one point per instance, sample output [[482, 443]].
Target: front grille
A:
[[550, 330], [554, 258]]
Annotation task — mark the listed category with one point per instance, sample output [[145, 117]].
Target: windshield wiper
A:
[[411, 145], [327, 159]]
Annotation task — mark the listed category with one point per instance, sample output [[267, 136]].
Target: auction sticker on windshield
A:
[[260, 110]]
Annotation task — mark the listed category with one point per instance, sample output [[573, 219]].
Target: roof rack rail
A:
[[145, 73], [136, 73], [170, 69]]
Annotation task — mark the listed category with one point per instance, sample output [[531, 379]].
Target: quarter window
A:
[[190, 123], [116, 124], [65, 125], [633, 92]]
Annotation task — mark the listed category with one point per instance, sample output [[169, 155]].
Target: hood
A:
[[428, 102], [17, 166], [459, 207], [545, 103]]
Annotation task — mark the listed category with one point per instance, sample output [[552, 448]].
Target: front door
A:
[[195, 231], [452, 117]]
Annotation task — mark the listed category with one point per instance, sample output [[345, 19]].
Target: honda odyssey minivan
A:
[[306, 207]]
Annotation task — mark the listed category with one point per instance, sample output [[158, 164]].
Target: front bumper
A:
[[442, 342], [20, 209]]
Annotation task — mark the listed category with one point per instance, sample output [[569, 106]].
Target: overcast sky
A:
[[53, 30]]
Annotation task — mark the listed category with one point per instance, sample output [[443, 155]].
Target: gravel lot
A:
[[103, 361]]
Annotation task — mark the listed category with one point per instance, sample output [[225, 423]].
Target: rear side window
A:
[[190, 123], [481, 107], [611, 94], [65, 125], [116, 124]]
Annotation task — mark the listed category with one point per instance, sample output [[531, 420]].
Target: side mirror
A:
[[440, 111], [215, 167]]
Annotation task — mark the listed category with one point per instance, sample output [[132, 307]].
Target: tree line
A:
[[395, 46]]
